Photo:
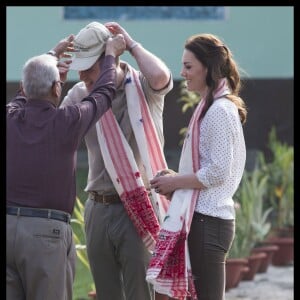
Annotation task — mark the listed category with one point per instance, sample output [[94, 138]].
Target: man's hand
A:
[[63, 67], [115, 28], [65, 45], [115, 46]]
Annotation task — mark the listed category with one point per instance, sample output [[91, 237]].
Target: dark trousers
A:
[[209, 240], [117, 255]]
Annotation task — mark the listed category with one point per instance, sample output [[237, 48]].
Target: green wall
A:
[[260, 37]]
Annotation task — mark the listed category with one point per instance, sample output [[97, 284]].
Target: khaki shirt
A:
[[98, 178]]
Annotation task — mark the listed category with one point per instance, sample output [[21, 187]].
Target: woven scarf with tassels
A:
[[146, 210]]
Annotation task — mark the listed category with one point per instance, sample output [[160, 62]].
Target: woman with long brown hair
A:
[[189, 258]]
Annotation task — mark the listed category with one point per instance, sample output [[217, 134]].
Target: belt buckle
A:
[[68, 217], [93, 195], [104, 201]]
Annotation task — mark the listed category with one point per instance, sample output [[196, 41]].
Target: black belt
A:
[[105, 199], [39, 213]]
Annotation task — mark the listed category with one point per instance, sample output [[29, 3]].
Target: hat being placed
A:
[[89, 44]]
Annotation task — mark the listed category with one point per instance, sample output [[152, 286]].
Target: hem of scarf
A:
[[166, 287], [140, 211], [167, 243], [168, 276]]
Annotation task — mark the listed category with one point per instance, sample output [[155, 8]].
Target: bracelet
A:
[[134, 44]]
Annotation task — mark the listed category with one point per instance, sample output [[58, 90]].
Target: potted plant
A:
[[281, 196], [253, 217], [280, 170], [251, 196], [236, 261], [254, 189]]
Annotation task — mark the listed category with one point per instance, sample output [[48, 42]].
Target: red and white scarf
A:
[[145, 210], [169, 269]]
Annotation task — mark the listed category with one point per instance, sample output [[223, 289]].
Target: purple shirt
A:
[[42, 142]]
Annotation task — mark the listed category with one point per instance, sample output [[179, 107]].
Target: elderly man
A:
[[42, 141]]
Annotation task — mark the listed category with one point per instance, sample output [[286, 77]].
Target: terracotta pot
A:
[[285, 253], [234, 268], [287, 231], [254, 262], [245, 270], [92, 295], [269, 250]]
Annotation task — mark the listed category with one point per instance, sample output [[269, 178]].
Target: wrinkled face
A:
[[194, 72], [90, 75]]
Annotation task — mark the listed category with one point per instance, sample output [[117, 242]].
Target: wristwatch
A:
[[52, 52]]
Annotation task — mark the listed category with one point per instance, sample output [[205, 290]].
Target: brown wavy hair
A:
[[218, 60]]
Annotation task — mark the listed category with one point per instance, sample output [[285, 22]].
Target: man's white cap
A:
[[89, 44]]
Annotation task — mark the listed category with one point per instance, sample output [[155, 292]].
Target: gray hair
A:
[[39, 74]]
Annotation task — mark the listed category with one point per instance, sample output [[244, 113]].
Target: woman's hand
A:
[[163, 183], [167, 181]]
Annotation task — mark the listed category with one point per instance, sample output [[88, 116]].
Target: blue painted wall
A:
[[260, 37]]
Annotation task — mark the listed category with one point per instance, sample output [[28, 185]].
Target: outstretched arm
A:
[[153, 68]]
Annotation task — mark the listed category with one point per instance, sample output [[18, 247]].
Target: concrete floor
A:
[[277, 283]]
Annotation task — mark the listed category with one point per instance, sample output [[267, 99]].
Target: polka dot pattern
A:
[[222, 159]]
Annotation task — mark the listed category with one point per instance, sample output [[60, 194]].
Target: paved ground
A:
[[275, 284]]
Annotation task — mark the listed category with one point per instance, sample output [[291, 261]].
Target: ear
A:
[[22, 89], [55, 90]]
